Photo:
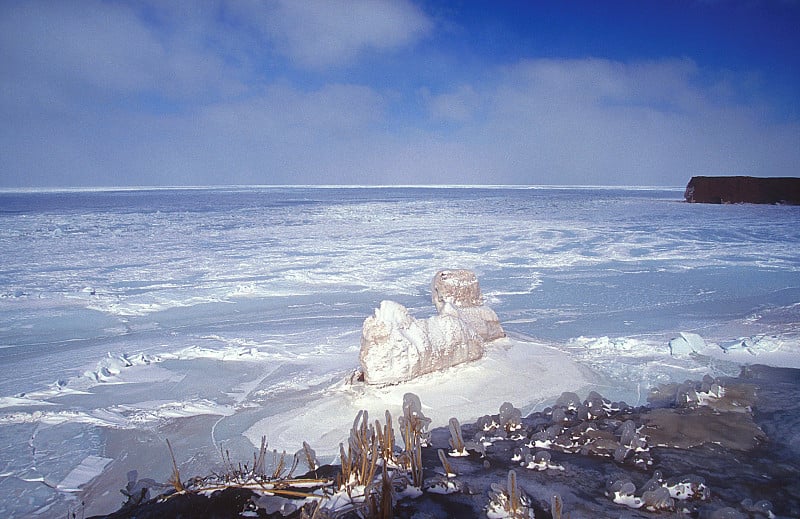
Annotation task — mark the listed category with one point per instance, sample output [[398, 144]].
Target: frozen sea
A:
[[212, 317]]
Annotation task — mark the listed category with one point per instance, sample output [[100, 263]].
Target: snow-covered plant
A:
[[360, 462], [413, 419], [508, 501], [386, 439], [446, 482], [487, 423], [568, 400], [622, 492], [456, 440], [657, 494], [595, 405], [413, 428], [540, 461], [503, 425], [310, 457], [476, 446]]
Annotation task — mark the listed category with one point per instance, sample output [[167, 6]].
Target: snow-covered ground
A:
[[213, 317]]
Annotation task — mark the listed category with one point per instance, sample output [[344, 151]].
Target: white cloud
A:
[[599, 121], [56, 54], [572, 121], [459, 105], [324, 33]]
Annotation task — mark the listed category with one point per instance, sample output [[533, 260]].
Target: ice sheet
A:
[[88, 469]]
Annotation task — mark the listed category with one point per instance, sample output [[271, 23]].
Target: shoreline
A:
[[718, 472]]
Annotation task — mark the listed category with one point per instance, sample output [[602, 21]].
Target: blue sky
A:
[[137, 93]]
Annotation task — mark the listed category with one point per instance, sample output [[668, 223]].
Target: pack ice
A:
[[396, 347]]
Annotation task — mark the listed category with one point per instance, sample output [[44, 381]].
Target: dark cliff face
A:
[[736, 190]]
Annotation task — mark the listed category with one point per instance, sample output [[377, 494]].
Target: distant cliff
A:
[[736, 190]]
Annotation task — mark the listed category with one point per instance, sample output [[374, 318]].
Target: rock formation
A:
[[396, 347], [460, 288], [735, 190]]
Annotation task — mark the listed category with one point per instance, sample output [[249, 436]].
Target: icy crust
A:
[[543, 371], [121, 369]]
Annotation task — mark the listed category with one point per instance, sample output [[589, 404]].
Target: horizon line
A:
[[79, 189]]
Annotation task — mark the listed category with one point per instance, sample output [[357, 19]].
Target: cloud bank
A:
[[274, 93]]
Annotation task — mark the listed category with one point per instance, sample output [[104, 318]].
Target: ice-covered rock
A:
[[396, 347], [459, 287], [459, 291], [483, 320]]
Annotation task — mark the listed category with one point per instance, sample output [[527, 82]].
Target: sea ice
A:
[[231, 312], [88, 469], [686, 343]]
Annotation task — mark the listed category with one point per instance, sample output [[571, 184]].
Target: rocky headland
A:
[[743, 189]]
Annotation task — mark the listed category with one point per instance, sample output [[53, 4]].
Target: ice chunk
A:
[[686, 343], [483, 320], [87, 470]]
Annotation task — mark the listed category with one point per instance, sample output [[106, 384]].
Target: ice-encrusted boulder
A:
[[483, 320], [460, 288], [396, 347]]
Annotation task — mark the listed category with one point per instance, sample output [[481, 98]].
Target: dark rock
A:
[[740, 189], [223, 504]]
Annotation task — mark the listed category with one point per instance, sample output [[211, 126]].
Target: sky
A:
[[375, 92]]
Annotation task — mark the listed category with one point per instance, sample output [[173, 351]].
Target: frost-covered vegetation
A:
[[514, 467]]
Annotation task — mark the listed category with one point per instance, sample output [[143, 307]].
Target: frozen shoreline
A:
[[531, 375], [716, 471]]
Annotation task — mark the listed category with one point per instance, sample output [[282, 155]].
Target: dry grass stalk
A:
[[259, 463], [386, 439], [448, 469], [513, 494], [556, 506], [175, 478], [386, 508]]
